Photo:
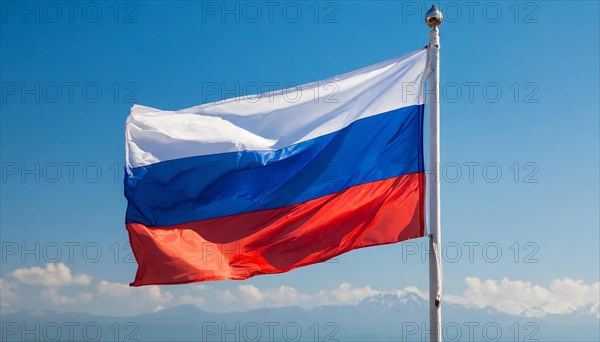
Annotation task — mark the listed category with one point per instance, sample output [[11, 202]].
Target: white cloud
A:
[[52, 295], [283, 296], [514, 297], [154, 293], [116, 290], [251, 294], [53, 275], [141, 296], [193, 296], [415, 290], [226, 296], [7, 295], [194, 300], [280, 296], [289, 296], [570, 295], [138, 296], [522, 298], [346, 294]]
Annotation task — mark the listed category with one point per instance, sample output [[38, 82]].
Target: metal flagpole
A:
[[434, 18]]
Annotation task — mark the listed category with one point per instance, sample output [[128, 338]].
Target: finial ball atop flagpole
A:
[[434, 17]]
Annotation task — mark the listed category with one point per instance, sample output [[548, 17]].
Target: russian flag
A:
[[266, 183]]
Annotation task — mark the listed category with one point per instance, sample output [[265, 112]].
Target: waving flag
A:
[[266, 183]]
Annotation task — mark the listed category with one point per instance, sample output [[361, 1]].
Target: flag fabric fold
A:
[[266, 183]]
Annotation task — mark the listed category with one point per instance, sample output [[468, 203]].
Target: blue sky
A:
[[520, 88]]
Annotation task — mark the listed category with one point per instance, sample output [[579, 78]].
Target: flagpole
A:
[[434, 18]]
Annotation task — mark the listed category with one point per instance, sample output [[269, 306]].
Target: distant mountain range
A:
[[376, 318]]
